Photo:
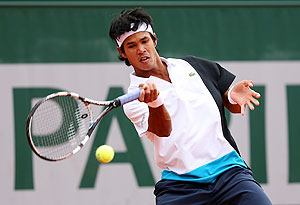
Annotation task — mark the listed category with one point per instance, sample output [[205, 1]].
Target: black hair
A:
[[123, 22]]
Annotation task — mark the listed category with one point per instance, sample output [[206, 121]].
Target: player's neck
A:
[[158, 70], [161, 71]]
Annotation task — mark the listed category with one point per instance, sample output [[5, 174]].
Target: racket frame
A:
[[110, 105]]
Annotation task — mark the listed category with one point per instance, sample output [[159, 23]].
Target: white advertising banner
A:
[[130, 177]]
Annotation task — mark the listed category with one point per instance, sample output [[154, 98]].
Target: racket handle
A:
[[128, 97]]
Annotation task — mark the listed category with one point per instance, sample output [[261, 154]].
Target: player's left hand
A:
[[243, 95]]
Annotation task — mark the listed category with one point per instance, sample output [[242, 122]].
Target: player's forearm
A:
[[236, 108], [159, 121]]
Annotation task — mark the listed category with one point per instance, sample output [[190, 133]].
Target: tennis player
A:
[[181, 110]]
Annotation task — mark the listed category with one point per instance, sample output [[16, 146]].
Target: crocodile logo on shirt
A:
[[192, 74]]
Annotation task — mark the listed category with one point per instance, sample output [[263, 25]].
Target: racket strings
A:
[[59, 125]]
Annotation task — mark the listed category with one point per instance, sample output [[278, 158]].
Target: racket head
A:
[[57, 126]]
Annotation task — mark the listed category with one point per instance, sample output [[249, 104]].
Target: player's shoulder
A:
[[171, 60], [178, 61], [195, 59], [203, 66], [199, 64]]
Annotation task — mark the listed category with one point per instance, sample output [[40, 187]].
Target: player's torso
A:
[[196, 137]]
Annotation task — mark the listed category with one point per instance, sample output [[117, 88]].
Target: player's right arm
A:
[[159, 120], [149, 121]]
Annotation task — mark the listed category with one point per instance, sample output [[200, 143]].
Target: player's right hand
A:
[[149, 92]]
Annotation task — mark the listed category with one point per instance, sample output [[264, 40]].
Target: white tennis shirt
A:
[[196, 139]]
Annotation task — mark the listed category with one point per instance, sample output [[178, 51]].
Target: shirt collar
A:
[[165, 61]]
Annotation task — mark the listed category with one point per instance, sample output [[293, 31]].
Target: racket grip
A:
[[129, 97]]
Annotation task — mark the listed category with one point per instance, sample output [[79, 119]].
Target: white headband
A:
[[142, 27]]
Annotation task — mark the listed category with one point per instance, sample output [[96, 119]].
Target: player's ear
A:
[[121, 53]]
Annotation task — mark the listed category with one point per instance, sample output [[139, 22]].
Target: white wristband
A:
[[229, 97], [156, 103]]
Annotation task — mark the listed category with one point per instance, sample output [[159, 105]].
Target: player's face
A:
[[139, 49]]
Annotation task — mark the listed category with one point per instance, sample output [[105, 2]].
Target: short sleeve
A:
[[138, 114], [225, 79]]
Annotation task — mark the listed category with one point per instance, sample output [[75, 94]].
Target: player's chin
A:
[[143, 66]]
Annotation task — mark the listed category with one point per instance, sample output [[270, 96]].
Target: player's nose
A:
[[140, 49]]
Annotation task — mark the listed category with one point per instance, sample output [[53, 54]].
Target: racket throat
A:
[[99, 118], [115, 103]]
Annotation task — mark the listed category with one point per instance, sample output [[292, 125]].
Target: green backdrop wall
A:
[[77, 31]]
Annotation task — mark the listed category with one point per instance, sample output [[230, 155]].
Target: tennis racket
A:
[[59, 125]]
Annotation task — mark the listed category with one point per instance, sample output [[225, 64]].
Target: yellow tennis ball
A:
[[105, 153]]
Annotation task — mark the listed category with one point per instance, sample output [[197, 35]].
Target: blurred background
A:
[[49, 46]]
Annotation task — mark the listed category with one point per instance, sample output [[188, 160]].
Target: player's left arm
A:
[[243, 95]]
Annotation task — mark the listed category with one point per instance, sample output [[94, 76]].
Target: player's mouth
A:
[[144, 59]]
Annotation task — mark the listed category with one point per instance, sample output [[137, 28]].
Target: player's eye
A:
[[131, 46]]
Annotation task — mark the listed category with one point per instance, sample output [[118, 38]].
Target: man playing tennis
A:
[[181, 110]]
